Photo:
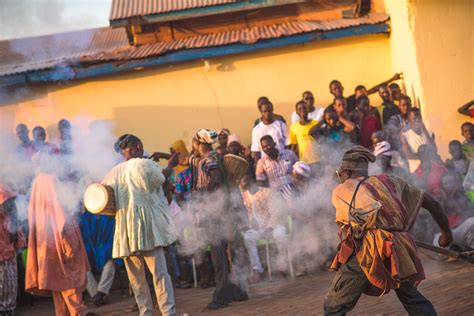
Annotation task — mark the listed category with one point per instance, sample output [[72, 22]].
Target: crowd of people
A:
[[187, 223]]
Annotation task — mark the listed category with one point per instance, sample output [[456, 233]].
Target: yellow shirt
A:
[[299, 135]]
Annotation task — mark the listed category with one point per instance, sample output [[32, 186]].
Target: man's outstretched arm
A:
[[436, 211]]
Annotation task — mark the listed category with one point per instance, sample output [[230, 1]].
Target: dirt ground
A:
[[449, 286]]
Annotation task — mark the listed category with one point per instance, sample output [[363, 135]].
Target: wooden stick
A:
[[446, 252]]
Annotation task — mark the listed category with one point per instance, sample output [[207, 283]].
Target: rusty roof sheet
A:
[[244, 36], [122, 9], [107, 44], [21, 55]]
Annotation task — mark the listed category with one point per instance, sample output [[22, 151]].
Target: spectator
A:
[[336, 89], [334, 128], [467, 130], [383, 151], [260, 102], [302, 143], [368, 119], [269, 125], [396, 92], [234, 147], [314, 113], [222, 141], [389, 108], [398, 122], [40, 143], [262, 223], [25, 148], [458, 162], [275, 167], [65, 137], [431, 169], [413, 136]]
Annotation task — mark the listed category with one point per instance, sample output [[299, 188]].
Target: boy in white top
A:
[[268, 126], [314, 113]]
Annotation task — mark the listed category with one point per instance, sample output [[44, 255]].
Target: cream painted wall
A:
[[432, 42], [164, 104]]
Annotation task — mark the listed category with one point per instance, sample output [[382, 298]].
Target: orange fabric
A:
[[69, 302], [57, 259], [379, 235]]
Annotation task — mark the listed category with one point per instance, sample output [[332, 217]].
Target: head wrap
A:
[[124, 140], [206, 136], [382, 148], [224, 131], [301, 168], [357, 158], [180, 147], [233, 138]]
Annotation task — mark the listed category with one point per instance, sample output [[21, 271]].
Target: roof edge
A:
[[75, 72]]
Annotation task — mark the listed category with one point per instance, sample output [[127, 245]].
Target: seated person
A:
[[262, 223], [222, 141], [458, 162], [98, 232], [428, 174], [234, 147], [460, 212]]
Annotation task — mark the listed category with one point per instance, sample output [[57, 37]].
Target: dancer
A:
[[377, 252]]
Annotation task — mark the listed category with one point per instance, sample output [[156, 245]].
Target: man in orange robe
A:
[[377, 252], [57, 262]]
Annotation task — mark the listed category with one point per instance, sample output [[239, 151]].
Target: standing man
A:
[[269, 125], [376, 213], [40, 143], [217, 219], [314, 113], [389, 108], [301, 141], [65, 137], [25, 147], [143, 225]]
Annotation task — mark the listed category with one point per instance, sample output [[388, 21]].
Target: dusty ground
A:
[[449, 286]]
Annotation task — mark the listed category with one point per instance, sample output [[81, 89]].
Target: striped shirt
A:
[[277, 172]]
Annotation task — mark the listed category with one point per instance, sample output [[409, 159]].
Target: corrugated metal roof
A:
[[21, 55], [107, 44], [122, 9], [244, 36]]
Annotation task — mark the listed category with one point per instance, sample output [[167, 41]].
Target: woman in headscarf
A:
[[377, 252]]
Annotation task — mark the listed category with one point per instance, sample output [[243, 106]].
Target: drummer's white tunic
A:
[[142, 222]]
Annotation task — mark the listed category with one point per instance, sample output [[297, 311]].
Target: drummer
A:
[[143, 225], [234, 147]]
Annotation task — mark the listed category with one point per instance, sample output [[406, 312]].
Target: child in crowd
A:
[[459, 163]]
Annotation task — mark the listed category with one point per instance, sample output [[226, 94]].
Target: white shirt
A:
[[277, 130], [316, 115]]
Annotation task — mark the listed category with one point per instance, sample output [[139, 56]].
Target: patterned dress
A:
[[377, 228]]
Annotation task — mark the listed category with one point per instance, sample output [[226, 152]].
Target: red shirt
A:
[[433, 178]]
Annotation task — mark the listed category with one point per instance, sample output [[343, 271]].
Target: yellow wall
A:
[[432, 42], [161, 105]]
